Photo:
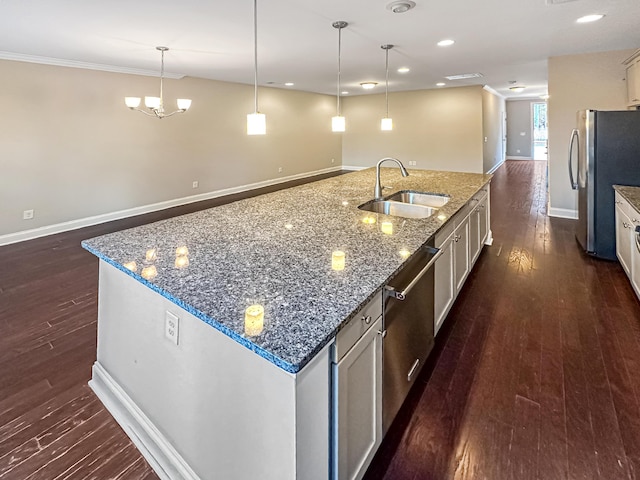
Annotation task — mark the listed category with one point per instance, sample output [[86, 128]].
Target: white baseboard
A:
[[495, 167], [563, 213], [353, 168], [511, 157], [131, 212], [154, 447]]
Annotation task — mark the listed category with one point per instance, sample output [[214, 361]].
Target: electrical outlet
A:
[[27, 215], [333, 160], [171, 327], [412, 163], [195, 184], [279, 169]]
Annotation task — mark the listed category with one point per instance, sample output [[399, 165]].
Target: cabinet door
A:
[[484, 219], [633, 83], [358, 405], [635, 262], [474, 234], [461, 253], [624, 237], [444, 287]]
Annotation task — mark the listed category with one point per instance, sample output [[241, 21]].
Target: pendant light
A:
[[156, 104], [338, 123], [386, 123], [256, 121]]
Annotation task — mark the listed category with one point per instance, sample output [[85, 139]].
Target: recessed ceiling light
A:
[[440, 84], [344, 93], [590, 18], [368, 85], [401, 6], [404, 70], [445, 43], [289, 84]]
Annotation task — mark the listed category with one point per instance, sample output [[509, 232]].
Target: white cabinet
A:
[[628, 240], [624, 237], [461, 253], [633, 79], [357, 395], [461, 242], [444, 285]]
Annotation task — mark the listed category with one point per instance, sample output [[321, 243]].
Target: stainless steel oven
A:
[[408, 325]]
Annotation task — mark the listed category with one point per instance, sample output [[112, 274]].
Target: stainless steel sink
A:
[[398, 209], [432, 200]]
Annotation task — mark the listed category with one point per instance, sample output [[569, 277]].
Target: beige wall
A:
[[71, 149], [493, 107], [578, 82], [519, 122], [440, 129]]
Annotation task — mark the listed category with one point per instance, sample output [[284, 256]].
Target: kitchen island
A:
[[206, 385]]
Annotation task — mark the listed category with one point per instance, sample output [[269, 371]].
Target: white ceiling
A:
[[503, 39]]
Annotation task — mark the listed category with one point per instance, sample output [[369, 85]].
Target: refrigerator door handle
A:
[[574, 136]]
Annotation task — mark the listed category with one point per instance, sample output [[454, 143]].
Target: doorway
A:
[[540, 132]]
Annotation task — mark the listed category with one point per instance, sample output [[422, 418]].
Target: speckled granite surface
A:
[[276, 250], [631, 194]]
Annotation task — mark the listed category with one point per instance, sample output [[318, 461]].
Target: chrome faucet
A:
[[378, 190]]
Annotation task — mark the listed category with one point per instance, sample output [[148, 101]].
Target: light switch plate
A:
[[171, 327]]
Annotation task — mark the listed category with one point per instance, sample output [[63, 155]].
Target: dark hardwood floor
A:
[[535, 375]]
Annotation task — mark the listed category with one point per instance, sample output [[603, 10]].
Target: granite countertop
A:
[[276, 250], [631, 194]]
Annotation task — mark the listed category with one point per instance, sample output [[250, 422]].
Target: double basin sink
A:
[[407, 204]]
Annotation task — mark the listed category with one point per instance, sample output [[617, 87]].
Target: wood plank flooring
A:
[[535, 374]]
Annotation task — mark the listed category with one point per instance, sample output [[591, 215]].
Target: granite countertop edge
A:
[[630, 194]]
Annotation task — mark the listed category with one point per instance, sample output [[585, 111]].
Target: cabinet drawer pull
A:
[[366, 319], [383, 333], [625, 225]]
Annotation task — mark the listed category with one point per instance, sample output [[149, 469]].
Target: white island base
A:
[[206, 408]]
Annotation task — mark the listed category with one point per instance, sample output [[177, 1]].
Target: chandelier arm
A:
[[144, 111], [173, 113]]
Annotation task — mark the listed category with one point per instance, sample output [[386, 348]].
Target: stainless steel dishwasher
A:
[[408, 326]]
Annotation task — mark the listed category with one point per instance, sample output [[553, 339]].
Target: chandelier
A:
[[156, 104]]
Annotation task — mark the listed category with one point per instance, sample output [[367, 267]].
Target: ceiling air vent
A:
[[556, 2], [462, 76]]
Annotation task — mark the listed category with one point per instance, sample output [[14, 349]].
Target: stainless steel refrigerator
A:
[[605, 149]]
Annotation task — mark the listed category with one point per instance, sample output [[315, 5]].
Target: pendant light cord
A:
[[386, 83], [255, 52], [339, 51], [161, 75]]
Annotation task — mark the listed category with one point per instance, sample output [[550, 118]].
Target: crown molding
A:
[[59, 62]]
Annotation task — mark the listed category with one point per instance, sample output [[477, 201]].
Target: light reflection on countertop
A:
[[277, 250]]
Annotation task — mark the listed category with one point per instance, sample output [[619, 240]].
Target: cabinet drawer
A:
[[627, 209], [357, 326]]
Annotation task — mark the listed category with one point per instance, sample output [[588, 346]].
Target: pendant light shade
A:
[[256, 121], [338, 123], [386, 123]]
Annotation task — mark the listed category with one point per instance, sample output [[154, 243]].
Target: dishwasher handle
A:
[[400, 294]]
